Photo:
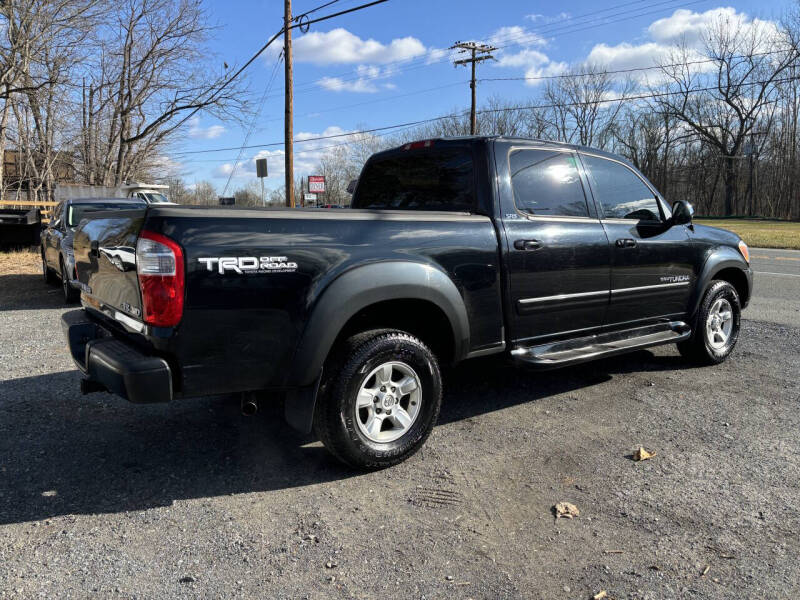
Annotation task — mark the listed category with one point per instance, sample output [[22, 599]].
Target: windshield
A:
[[436, 179], [155, 198], [79, 211]]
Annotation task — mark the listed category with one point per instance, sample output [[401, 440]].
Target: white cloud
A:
[[626, 56], [516, 35], [682, 27], [340, 46], [524, 58], [530, 56], [688, 25], [547, 19], [367, 80], [204, 133], [436, 55]]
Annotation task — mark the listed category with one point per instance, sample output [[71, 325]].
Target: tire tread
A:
[[352, 353]]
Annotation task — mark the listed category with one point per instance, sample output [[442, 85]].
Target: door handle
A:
[[527, 244], [626, 243]]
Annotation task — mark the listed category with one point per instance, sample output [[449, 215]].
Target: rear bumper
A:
[[113, 363]]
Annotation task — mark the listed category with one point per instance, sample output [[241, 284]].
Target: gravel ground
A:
[[100, 498]]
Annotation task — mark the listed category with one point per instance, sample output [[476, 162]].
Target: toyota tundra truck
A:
[[550, 254]]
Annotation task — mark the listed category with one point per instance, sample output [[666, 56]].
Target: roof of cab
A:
[[534, 142]]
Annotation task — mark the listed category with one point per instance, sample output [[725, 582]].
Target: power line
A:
[[544, 29], [425, 61], [631, 70], [327, 4], [362, 6], [250, 61], [494, 111], [536, 78], [252, 126], [310, 150], [377, 100]]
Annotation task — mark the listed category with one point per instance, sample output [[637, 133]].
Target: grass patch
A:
[[20, 262], [760, 233]]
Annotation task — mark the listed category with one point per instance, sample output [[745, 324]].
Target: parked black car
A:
[[549, 253], [58, 262]]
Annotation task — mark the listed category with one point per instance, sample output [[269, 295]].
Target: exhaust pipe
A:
[[89, 386], [249, 404]]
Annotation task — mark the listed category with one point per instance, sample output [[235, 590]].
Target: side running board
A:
[[563, 353]]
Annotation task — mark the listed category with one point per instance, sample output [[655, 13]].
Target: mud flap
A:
[[299, 406]]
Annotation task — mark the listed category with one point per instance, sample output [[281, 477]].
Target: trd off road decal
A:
[[244, 265]]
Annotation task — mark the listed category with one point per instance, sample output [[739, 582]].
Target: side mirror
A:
[[682, 213]]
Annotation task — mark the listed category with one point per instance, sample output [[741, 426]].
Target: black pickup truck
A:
[[453, 249]]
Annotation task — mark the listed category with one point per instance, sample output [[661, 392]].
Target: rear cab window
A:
[[439, 177]]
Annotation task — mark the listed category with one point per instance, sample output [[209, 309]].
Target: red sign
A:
[[316, 184]]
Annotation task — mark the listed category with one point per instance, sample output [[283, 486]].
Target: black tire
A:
[[700, 348], [47, 272], [335, 413], [71, 295]]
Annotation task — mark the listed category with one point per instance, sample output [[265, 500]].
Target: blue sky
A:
[[387, 64]]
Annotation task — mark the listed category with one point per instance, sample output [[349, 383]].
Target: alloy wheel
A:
[[719, 323], [388, 402]]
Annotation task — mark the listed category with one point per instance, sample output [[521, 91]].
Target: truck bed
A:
[[241, 326]]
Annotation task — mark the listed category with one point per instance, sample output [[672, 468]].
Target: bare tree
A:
[[152, 73], [249, 194], [724, 106], [41, 41], [204, 194], [580, 108]]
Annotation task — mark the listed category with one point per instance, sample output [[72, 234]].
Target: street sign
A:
[[227, 201], [316, 184], [310, 197], [261, 167]]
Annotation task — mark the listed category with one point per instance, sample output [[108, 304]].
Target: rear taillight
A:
[[159, 264]]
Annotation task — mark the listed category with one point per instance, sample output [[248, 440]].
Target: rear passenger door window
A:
[[619, 192], [547, 183]]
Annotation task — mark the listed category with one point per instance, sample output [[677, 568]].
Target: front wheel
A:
[[71, 295], [47, 272], [716, 328], [380, 403]]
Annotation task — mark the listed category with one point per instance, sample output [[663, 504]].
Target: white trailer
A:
[[151, 193]]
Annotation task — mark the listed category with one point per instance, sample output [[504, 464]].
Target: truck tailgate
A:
[[105, 260]]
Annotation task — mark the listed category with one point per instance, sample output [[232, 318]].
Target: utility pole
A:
[[289, 133], [478, 53]]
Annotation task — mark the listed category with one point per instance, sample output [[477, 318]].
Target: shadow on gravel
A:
[[484, 385], [28, 292], [61, 453]]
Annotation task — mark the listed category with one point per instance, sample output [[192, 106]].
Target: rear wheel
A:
[[381, 401], [47, 272], [716, 328], [70, 294]]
